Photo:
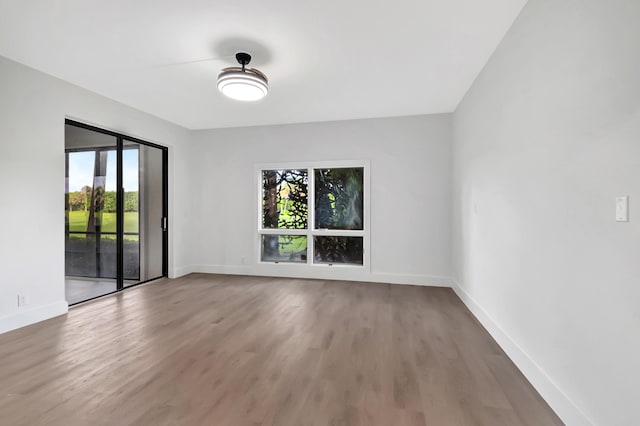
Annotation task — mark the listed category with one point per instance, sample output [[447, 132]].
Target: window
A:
[[313, 215]]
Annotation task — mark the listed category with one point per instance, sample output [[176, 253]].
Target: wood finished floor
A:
[[234, 350]]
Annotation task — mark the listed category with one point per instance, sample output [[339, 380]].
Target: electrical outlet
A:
[[22, 300], [243, 260]]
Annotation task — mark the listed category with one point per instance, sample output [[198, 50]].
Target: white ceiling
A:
[[326, 59]]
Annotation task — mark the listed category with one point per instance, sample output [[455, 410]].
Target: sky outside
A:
[[81, 170]]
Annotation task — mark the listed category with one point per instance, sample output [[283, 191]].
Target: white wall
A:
[[410, 194], [546, 138], [32, 114], [212, 203]]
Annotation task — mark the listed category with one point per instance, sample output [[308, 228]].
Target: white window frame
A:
[[311, 232]]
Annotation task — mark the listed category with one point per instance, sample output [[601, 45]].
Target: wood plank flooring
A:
[[235, 350]]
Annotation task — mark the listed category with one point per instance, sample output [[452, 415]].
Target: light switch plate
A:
[[622, 209]]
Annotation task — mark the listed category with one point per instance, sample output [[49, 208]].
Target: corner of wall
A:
[[564, 407], [30, 316], [181, 271]]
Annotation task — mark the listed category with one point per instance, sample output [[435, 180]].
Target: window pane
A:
[[339, 198], [91, 211], [284, 199], [284, 248], [334, 249]]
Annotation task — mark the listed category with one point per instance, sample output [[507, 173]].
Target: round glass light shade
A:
[[247, 85]]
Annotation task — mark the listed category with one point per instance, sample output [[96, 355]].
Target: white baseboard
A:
[[564, 407], [338, 273], [411, 279], [27, 316], [181, 271]]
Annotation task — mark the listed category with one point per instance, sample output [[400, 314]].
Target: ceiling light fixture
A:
[[241, 83]]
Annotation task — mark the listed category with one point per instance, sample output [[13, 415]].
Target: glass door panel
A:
[[144, 218], [90, 214]]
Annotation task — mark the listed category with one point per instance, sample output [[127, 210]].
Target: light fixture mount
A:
[[241, 83], [243, 58]]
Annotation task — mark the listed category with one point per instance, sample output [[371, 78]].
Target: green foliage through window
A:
[[339, 198], [81, 200], [284, 199], [338, 205], [337, 249]]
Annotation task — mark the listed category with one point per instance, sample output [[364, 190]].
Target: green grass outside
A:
[[78, 221], [292, 244]]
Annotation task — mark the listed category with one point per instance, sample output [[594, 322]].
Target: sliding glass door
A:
[[144, 219], [115, 212]]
